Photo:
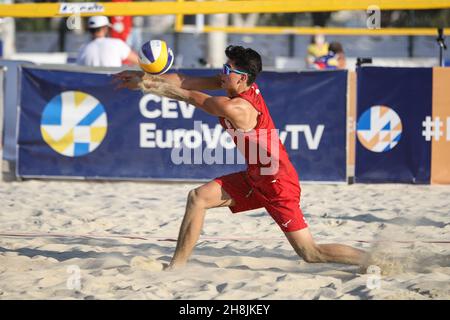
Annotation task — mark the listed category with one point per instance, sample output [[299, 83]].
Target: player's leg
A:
[[288, 215], [209, 195], [303, 243]]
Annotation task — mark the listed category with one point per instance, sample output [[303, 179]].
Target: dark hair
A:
[[93, 31], [336, 47], [245, 59]]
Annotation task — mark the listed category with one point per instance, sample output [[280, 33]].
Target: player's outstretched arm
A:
[[217, 106], [192, 83], [131, 78]]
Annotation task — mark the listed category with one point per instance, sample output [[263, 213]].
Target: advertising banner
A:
[[75, 124], [393, 105]]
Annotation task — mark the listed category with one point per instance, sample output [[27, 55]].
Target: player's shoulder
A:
[[239, 102], [238, 107]]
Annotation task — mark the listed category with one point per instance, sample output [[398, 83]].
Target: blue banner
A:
[[392, 103], [75, 124]]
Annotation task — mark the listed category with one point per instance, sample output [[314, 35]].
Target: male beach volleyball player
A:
[[243, 113]]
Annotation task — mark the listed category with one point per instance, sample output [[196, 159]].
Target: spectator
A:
[[103, 51], [317, 48], [335, 59]]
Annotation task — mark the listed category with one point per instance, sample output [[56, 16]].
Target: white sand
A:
[[39, 267]]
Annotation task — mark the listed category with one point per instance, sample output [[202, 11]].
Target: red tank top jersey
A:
[[261, 147]]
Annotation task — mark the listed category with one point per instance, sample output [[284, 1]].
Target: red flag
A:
[[121, 25]]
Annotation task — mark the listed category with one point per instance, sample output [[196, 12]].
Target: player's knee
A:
[[312, 254], [195, 198]]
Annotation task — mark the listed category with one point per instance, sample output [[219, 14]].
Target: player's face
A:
[[232, 77]]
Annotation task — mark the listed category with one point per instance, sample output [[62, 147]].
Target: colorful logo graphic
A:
[[74, 123], [379, 129]]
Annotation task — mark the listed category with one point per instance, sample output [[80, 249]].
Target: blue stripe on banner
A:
[[92, 116], [364, 122], [397, 138], [52, 114], [81, 148], [148, 52]]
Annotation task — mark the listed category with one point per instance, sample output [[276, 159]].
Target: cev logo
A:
[[379, 129], [74, 123], [170, 108]]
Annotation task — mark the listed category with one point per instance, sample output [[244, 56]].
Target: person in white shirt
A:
[[103, 51]]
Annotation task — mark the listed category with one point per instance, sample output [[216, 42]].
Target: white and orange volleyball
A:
[[155, 57]]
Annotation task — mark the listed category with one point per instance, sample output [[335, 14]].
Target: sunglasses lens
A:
[[226, 69]]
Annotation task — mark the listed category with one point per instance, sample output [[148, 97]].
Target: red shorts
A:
[[280, 197]]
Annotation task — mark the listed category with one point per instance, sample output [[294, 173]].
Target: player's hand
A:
[[128, 79], [149, 82]]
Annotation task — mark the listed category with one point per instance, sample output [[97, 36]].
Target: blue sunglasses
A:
[[227, 70]]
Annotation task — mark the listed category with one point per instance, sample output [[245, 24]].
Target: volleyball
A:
[[155, 57]]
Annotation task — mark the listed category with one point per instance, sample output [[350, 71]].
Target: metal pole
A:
[[442, 46]]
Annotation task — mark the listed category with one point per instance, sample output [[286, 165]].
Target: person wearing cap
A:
[[103, 51]]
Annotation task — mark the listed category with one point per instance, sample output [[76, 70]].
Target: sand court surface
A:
[[109, 240]]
